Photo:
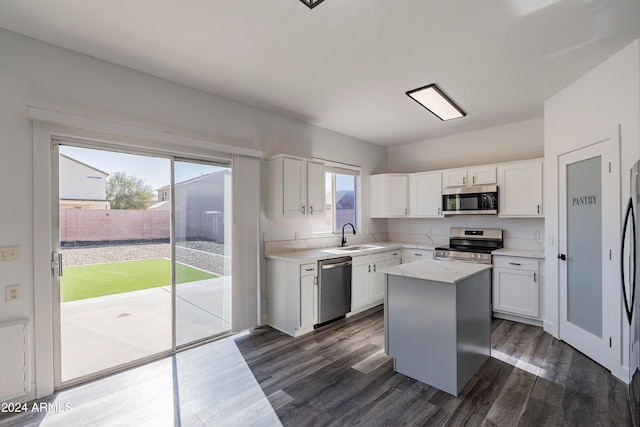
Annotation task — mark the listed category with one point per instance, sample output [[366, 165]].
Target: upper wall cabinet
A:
[[454, 178], [295, 187], [425, 195], [472, 176], [520, 187], [483, 175], [389, 196]]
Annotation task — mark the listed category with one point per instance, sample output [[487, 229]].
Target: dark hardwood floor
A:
[[338, 376]]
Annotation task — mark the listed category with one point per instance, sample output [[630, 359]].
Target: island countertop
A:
[[436, 270]]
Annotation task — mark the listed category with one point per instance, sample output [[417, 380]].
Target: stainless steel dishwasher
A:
[[334, 289]]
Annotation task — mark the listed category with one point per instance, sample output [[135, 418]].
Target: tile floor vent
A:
[[15, 378]]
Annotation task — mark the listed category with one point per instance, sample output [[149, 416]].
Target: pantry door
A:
[[589, 202]]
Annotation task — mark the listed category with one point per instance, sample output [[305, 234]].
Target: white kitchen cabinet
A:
[[394, 257], [516, 286], [479, 175], [454, 178], [410, 255], [389, 195], [520, 189], [308, 295], [292, 296], [378, 262], [360, 270], [367, 283], [484, 175], [315, 189], [295, 187], [425, 195]]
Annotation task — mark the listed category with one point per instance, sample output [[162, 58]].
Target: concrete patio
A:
[[100, 333]]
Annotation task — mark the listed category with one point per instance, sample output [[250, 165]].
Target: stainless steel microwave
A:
[[475, 200]]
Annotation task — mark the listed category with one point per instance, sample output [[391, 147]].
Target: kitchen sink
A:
[[352, 249], [358, 248]]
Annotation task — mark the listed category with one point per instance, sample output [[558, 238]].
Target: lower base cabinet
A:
[[292, 296], [367, 283], [516, 286], [308, 295]]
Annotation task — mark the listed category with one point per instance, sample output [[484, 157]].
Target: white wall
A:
[[515, 141], [606, 96], [38, 74]]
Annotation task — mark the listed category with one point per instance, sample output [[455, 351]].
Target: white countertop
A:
[[437, 271], [523, 253], [313, 255]]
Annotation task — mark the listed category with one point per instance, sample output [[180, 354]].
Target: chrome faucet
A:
[[344, 239]]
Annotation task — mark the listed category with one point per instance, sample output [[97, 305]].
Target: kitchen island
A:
[[437, 321]]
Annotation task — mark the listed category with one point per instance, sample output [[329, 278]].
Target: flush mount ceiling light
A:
[[312, 3], [435, 100]]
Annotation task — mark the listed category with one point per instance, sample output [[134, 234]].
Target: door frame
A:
[[607, 145], [47, 125]]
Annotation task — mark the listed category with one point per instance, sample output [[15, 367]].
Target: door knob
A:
[[562, 257]]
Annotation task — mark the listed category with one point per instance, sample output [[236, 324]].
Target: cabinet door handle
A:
[[515, 263], [534, 277], [302, 209], [374, 268], [464, 180], [417, 254], [438, 211], [473, 180], [311, 210], [538, 208], [369, 268], [309, 269], [405, 211]]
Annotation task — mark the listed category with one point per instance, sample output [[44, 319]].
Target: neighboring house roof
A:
[[84, 164], [197, 178], [158, 205], [345, 199]]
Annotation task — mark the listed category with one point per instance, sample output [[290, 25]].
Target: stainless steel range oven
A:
[[470, 245]]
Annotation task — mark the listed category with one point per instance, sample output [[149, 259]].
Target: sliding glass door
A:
[[146, 257], [202, 250]]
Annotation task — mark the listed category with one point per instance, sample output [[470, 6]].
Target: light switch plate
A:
[[9, 253]]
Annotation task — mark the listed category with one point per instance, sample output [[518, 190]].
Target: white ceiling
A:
[[347, 64]]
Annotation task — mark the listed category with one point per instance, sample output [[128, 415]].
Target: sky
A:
[[155, 171]]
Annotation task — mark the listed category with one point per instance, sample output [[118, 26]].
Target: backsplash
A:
[[525, 233]]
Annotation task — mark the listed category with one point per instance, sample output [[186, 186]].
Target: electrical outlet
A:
[[12, 293], [9, 253]]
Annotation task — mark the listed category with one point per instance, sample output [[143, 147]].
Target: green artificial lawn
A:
[[96, 280]]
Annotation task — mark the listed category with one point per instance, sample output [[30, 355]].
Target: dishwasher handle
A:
[[337, 264]]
